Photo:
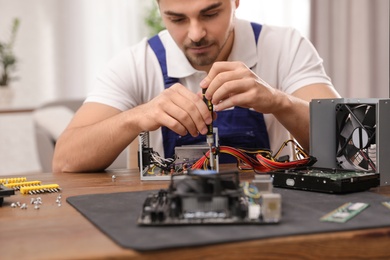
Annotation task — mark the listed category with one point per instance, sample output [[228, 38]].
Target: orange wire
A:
[[259, 160]]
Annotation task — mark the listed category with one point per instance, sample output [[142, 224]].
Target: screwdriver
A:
[[210, 132]]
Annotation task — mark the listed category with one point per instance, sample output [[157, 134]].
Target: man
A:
[[261, 79]]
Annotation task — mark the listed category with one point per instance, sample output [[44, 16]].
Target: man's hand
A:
[[232, 84], [178, 109]]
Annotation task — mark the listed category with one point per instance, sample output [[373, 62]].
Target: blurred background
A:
[[60, 46]]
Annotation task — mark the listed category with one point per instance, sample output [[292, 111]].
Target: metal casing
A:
[[323, 136]]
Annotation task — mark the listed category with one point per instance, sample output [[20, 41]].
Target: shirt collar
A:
[[244, 47], [179, 67]]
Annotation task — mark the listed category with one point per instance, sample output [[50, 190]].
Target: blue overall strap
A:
[[239, 127], [158, 48], [256, 30]]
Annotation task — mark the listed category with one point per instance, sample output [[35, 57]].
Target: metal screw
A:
[[58, 200]]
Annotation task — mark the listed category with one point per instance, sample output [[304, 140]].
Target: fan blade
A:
[[347, 130], [364, 161], [370, 117], [358, 114], [350, 152], [356, 157]]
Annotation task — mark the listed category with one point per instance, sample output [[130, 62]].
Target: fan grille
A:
[[355, 136]]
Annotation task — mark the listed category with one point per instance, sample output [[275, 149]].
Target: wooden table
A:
[[60, 232]]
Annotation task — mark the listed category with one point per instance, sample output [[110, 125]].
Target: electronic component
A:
[[263, 182], [351, 134], [154, 167], [324, 179], [190, 153], [5, 192], [40, 189], [18, 185], [271, 207], [151, 165], [210, 134], [26, 187], [355, 126], [345, 212], [13, 180], [386, 204], [208, 197]]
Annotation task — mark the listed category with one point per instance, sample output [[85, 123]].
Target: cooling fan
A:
[[351, 134], [355, 133]]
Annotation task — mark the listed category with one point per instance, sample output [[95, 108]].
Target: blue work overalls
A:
[[238, 127]]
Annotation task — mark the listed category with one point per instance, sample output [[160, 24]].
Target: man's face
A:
[[203, 29]]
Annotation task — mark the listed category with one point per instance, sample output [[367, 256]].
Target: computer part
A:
[[326, 180], [345, 212], [351, 134], [355, 135], [5, 192], [152, 166], [208, 197]]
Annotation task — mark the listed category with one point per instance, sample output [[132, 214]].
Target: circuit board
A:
[[210, 198], [345, 212]]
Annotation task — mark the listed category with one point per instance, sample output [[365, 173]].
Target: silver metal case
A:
[[188, 152]]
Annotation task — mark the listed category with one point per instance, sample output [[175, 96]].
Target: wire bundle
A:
[[161, 162], [259, 160]]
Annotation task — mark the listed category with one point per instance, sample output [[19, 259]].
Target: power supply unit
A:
[[351, 134]]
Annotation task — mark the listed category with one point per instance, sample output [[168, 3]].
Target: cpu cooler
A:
[[351, 134]]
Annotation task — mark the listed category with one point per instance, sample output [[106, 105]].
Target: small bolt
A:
[[13, 205], [24, 206]]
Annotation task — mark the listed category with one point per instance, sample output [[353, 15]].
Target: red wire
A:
[[262, 161]]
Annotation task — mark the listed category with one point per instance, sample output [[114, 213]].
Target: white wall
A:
[[290, 13]]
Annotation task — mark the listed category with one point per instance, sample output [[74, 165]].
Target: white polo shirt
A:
[[283, 58]]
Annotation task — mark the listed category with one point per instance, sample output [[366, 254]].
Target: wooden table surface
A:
[[60, 232]]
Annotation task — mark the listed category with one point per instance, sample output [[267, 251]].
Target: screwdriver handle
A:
[[210, 107]]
